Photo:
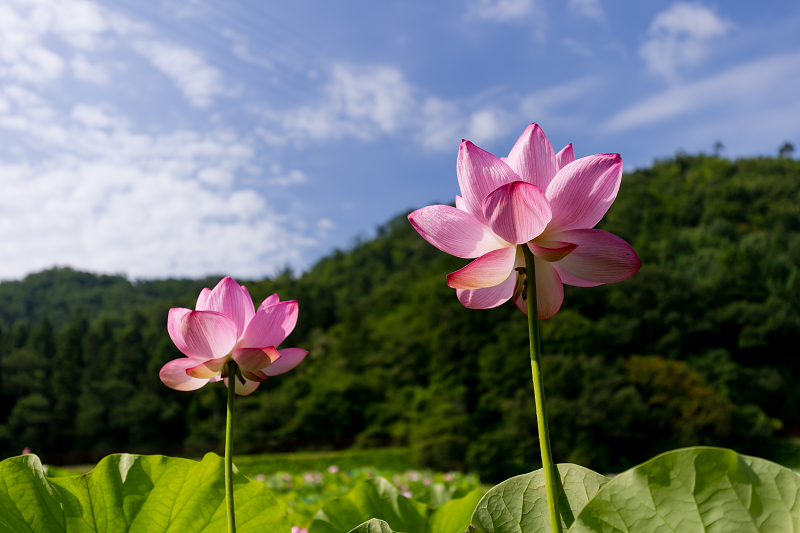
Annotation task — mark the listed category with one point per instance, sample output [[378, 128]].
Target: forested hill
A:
[[699, 347]]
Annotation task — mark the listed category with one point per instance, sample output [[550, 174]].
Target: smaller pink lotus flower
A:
[[225, 326]]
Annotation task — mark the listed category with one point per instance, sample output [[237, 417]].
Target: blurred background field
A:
[[303, 482]]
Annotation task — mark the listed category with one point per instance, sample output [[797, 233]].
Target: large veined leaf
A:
[[130, 494], [372, 498], [519, 504], [454, 516], [373, 526], [697, 490], [379, 499]]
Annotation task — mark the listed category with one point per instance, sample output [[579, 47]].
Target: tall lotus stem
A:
[[538, 392], [232, 368]]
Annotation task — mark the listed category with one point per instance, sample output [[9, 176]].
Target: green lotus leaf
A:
[[379, 499], [371, 498], [697, 490], [131, 494], [454, 516], [373, 526], [519, 504]]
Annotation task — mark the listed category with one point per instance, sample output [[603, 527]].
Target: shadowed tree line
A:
[[700, 347]]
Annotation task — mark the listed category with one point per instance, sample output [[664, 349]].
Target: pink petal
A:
[[533, 158], [207, 334], [243, 390], [202, 300], [549, 291], [249, 309], [565, 156], [569, 279], [454, 232], [479, 173], [551, 251], [601, 257], [270, 300], [486, 271], [290, 358], [174, 376], [461, 204], [489, 297], [207, 369], [229, 299], [255, 358], [582, 192], [257, 375], [175, 330], [517, 211], [271, 325]]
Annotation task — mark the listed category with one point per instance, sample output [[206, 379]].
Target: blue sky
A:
[[194, 137]]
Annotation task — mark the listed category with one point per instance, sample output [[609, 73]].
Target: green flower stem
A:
[[232, 367], [538, 392]]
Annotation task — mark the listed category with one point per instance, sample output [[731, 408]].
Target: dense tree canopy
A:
[[700, 347]]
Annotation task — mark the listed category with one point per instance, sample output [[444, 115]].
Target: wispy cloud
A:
[[241, 50], [283, 178], [548, 101], [444, 123], [501, 10], [759, 85], [84, 70], [84, 184], [371, 102], [198, 81], [679, 37], [588, 8], [121, 201], [357, 102]]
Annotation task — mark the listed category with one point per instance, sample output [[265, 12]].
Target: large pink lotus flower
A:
[[535, 197], [226, 327]]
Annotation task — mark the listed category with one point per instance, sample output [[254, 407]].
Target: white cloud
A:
[[83, 70], [109, 199], [545, 102], [763, 86], [367, 103], [23, 58], [78, 22], [324, 227], [84, 185], [28, 53], [588, 8], [500, 10], [293, 177], [25, 27], [242, 51], [445, 123], [361, 102], [198, 80], [577, 47], [94, 117], [326, 224], [184, 9], [680, 37]]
